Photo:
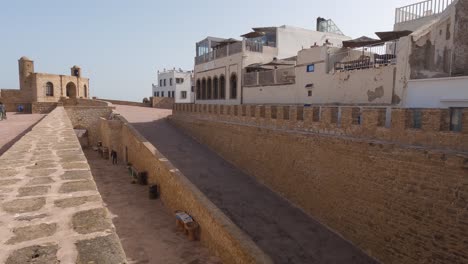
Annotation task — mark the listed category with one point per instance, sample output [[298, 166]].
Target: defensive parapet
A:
[[435, 128]]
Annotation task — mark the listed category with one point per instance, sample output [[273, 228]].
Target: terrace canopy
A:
[[392, 35], [360, 42]]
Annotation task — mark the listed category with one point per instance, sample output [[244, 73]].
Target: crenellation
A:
[[370, 122], [349, 118], [465, 121], [399, 119], [431, 120]]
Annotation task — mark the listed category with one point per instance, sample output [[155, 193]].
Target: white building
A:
[[175, 84], [220, 63]]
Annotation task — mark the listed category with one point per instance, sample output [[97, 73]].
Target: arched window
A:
[[198, 90], [203, 89], [215, 88], [222, 86], [233, 86], [209, 92], [49, 89], [85, 90]]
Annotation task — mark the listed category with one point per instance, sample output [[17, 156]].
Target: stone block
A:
[[91, 221], [33, 191], [27, 233], [76, 201], [24, 205], [102, 250], [78, 186], [40, 254]]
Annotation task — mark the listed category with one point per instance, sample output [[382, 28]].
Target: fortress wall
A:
[[86, 114], [217, 232], [398, 193]]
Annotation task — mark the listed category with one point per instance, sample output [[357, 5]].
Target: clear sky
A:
[[120, 44]]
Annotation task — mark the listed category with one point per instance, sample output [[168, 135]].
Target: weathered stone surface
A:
[[66, 153], [44, 254], [32, 232], [40, 181], [78, 186], [76, 175], [33, 191], [91, 221], [42, 165], [31, 217], [72, 158], [8, 182], [24, 205], [75, 165], [102, 250], [41, 172], [76, 201], [5, 173], [6, 190], [32, 167]]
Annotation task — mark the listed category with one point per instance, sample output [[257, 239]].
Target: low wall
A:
[[12, 98], [43, 108], [217, 231], [118, 102], [395, 125], [162, 102], [399, 202], [86, 114]]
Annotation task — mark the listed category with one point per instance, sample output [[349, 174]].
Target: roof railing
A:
[[420, 10]]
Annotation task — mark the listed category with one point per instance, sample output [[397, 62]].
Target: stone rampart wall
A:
[[118, 102], [43, 108], [88, 117], [12, 98], [50, 208], [162, 102], [217, 231], [397, 126], [398, 193]]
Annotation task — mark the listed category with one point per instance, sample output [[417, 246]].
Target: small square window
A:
[[311, 68], [309, 93]]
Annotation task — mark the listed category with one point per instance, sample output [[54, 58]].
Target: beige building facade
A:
[[423, 60], [43, 88], [220, 63]]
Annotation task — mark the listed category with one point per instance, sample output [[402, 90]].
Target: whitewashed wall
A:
[[437, 93]]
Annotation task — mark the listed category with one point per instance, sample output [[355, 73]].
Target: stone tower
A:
[[26, 69]]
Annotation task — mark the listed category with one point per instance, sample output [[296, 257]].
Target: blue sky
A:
[[121, 44]]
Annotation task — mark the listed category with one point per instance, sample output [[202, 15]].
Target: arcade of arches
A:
[[215, 88]]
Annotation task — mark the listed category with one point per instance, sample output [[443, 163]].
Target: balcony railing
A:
[[420, 10], [283, 76], [364, 58], [229, 50]]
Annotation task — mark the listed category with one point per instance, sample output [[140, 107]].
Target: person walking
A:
[[2, 111], [114, 156]]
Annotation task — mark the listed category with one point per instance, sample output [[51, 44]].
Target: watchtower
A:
[[26, 69]]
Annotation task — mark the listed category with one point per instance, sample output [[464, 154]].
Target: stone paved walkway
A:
[[50, 209], [279, 228], [15, 127], [145, 227]]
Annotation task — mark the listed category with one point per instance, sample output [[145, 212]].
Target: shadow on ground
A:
[[145, 227], [282, 230]]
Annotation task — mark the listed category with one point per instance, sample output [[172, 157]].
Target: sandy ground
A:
[[282, 230], [14, 127], [145, 227]]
